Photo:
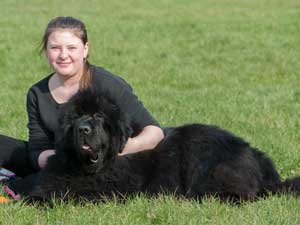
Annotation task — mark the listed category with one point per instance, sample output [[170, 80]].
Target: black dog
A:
[[192, 161]]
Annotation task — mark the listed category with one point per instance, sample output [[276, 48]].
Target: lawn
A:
[[232, 63]]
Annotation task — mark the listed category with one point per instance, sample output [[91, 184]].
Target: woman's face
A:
[[66, 53]]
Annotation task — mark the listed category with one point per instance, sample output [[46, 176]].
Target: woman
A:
[[65, 44]]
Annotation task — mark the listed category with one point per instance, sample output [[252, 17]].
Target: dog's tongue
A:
[[93, 156]]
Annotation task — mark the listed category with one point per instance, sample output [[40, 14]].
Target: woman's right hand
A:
[[43, 157]]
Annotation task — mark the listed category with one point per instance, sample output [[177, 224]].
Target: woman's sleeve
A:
[[39, 137], [130, 104]]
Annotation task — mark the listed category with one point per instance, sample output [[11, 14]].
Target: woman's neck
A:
[[66, 82], [63, 88]]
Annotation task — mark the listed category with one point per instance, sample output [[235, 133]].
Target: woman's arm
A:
[[40, 141], [146, 130], [149, 137]]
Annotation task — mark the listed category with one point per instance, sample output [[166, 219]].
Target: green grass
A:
[[233, 63]]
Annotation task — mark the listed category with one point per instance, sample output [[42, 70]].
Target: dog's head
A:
[[93, 131]]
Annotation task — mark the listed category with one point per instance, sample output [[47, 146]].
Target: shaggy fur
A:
[[193, 161]]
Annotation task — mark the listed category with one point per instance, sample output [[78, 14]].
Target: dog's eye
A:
[[98, 116]]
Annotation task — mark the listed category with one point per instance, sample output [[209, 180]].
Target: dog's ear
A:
[[125, 132], [67, 114], [62, 145]]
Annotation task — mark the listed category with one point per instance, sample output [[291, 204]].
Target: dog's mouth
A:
[[93, 156]]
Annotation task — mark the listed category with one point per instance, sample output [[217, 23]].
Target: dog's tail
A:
[[288, 186]]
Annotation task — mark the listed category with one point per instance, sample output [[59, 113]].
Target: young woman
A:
[[65, 44]]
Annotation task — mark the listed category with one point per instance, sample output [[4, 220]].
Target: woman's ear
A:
[[86, 50]]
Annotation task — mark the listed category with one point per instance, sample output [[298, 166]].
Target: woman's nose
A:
[[63, 54]]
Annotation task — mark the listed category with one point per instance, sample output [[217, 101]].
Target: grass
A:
[[233, 63]]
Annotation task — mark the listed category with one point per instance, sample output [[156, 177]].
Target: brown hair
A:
[[78, 29]]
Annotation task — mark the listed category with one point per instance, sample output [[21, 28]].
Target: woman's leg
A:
[[14, 156]]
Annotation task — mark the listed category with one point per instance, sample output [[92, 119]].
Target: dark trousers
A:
[[14, 156]]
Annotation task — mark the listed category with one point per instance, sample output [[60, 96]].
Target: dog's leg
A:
[[238, 179]]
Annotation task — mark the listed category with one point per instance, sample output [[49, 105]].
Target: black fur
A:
[[193, 161]]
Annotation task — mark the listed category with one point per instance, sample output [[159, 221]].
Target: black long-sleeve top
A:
[[43, 110]]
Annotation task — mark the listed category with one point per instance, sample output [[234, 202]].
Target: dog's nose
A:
[[85, 128]]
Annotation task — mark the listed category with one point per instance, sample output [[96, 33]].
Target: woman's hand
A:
[[43, 157], [149, 137]]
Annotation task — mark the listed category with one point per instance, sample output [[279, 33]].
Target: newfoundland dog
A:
[[193, 160]]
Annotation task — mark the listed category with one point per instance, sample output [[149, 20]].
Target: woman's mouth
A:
[[64, 64]]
